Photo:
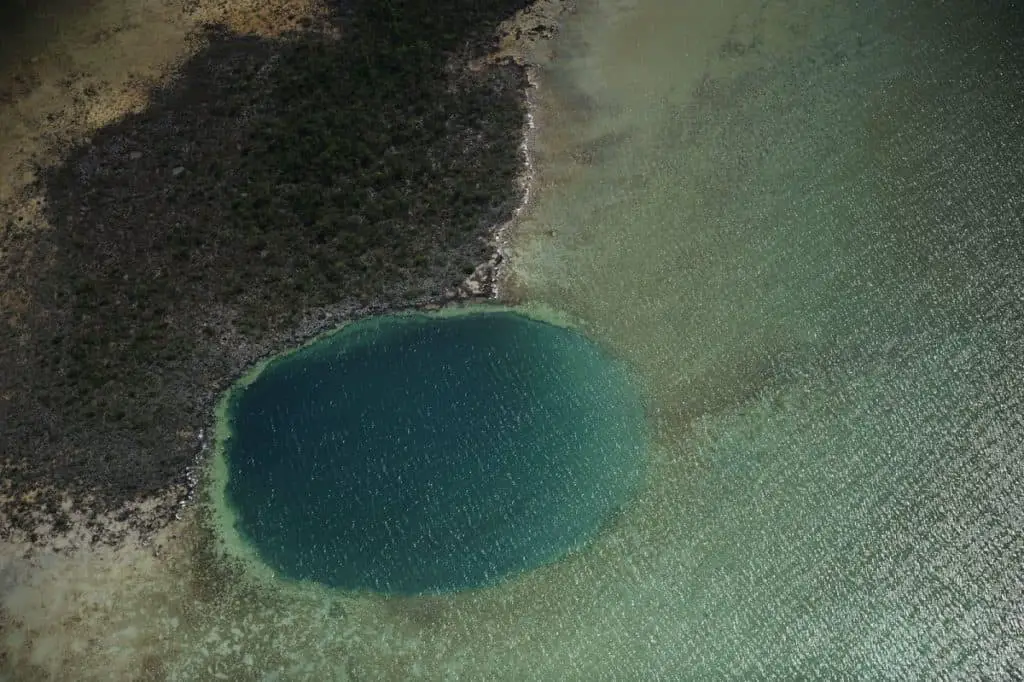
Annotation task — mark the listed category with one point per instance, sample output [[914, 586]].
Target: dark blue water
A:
[[414, 454]]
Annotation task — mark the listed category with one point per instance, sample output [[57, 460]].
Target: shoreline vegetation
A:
[[272, 190]]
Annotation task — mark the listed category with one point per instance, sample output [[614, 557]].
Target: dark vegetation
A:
[[271, 180]]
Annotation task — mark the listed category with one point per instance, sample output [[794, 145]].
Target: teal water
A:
[[420, 454]]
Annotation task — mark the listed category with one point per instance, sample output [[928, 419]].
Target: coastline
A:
[[151, 567], [482, 287], [833, 482], [78, 524], [521, 40]]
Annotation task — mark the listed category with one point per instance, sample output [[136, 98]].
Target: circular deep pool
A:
[[424, 453]]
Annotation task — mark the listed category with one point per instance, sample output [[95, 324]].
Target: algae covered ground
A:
[[269, 185]]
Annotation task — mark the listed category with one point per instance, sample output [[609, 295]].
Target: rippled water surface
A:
[[424, 454], [799, 224], [802, 223]]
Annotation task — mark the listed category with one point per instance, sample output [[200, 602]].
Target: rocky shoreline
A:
[[66, 519]]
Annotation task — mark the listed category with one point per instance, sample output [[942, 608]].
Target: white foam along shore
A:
[[521, 40]]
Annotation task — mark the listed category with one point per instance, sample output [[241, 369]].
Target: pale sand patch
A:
[[72, 609]]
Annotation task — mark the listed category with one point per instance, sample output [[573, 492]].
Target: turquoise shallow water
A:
[[802, 223], [429, 454]]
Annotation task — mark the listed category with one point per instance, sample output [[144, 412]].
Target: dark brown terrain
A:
[[272, 187]]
